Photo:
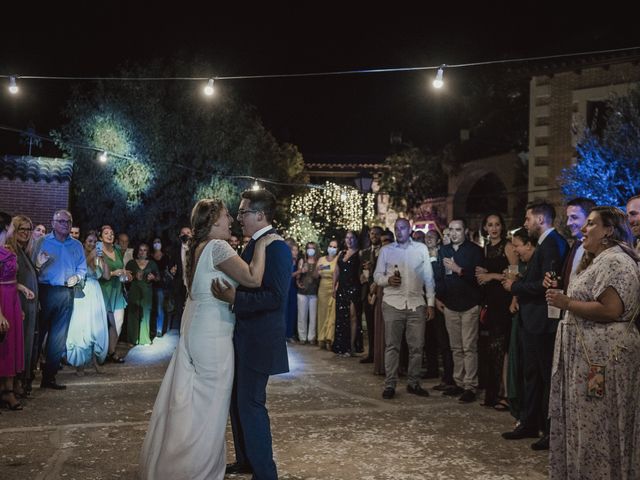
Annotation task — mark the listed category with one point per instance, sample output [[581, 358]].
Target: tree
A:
[[608, 166], [320, 214], [411, 176], [167, 146]]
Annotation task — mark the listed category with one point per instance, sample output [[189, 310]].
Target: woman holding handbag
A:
[[595, 382]]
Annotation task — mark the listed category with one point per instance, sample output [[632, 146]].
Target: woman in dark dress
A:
[[496, 325], [348, 338]]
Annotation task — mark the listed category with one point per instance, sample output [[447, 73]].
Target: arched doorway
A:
[[488, 194]]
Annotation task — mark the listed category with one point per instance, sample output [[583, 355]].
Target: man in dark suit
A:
[[368, 260], [538, 330], [259, 339]]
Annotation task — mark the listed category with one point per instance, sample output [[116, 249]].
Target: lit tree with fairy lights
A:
[[322, 213]]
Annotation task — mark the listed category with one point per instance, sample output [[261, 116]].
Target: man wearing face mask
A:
[[179, 282], [161, 288], [308, 282]]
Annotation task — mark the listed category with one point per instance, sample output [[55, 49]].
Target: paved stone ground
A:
[[328, 420]]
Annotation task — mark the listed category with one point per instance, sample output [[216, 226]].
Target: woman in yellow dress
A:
[[326, 301]]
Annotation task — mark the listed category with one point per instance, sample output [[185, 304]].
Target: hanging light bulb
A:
[[256, 186], [103, 157], [438, 82], [13, 86], [208, 90]]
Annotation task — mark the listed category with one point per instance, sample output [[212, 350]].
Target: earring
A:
[[605, 241]]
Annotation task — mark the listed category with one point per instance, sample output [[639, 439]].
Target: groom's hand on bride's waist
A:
[[223, 291]]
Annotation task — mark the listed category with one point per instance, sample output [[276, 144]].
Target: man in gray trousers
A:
[[404, 271]]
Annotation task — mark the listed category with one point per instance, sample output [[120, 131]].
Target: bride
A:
[[186, 434]]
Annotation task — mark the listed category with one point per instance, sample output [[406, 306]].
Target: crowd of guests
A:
[[543, 326], [67, 299]]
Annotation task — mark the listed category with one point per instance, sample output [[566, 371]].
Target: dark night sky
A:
[[346, 114]]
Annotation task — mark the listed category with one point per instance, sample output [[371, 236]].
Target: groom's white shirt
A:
[[260, 232]]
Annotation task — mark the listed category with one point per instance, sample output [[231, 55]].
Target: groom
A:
[[259, 339]]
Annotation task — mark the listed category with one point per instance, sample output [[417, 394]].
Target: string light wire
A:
[[325, 73]]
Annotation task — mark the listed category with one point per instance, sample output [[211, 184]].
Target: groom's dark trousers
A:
[[260, 351]]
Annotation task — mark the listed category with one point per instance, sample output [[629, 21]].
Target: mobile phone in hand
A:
[[99, 249]]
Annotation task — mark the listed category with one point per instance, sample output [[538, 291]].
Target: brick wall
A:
[[36, 200], [557, 116]]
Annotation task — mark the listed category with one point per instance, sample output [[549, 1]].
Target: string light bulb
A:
[[208, 90], [438, 82], [256, 186], [13, 86], [103, 157]]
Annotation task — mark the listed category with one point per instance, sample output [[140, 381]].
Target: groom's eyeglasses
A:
[[242, 213]]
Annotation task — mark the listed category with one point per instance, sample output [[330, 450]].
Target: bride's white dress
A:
[[186, 435]]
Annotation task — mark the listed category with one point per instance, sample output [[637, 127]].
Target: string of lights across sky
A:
[[209, 90]]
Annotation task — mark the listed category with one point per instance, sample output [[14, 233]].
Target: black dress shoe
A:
[[443, 387], [367, 360], [453, 391], [235, 468], [417, 390], [520, 432], [52, 384], [467, 396], [542, 444], [388, 393]]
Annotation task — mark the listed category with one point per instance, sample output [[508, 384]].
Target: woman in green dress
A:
[[113, 290], [145, 272]]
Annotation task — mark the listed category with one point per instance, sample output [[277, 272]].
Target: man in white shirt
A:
[[404, 270]]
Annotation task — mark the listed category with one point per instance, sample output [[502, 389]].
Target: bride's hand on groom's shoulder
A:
[[267, 239]]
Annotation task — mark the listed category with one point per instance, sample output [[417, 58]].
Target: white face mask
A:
[[332, 251], [157, 246], [311, 252]]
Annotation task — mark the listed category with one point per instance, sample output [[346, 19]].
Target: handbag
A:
[[78, 290], [484, 311]]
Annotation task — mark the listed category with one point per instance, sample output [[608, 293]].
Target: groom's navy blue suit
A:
[[260, 351]]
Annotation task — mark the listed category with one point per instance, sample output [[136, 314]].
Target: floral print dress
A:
[[591, 437]]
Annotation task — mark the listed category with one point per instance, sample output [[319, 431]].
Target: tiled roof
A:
[[38, 169]]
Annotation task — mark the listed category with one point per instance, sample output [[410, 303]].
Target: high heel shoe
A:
[[16, 405], [96, 366], [114, 358]]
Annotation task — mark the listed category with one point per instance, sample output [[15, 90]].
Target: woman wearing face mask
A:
[[161, 288], [113, 289], [88, 337], [145, 273], [308, 295], [326, 302]]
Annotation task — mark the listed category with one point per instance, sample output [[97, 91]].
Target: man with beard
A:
[[538, 330], [633, 214]]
